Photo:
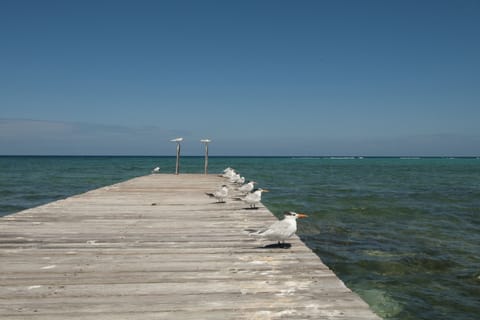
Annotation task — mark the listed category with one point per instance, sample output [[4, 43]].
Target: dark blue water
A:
[[402, 233]]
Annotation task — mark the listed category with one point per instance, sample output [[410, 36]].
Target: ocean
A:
[[403, 233]]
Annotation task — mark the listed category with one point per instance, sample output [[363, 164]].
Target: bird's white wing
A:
[[252, 197], [280, 230]]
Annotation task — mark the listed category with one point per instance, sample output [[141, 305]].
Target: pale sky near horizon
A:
[[264, 77]]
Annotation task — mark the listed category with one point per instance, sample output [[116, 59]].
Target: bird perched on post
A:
[[280, 230], [252, 199], [220, 194]]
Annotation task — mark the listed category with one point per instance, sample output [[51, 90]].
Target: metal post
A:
[[177, 165], [206, 141], [206, 158]]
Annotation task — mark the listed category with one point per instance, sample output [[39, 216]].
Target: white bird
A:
[[177, 140], [156, 170], [246, 188], [228, 173], [253, 198], [220, 194], [236, 178], [280, 230]]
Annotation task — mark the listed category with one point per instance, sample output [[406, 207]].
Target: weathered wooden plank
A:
[[156, 247]]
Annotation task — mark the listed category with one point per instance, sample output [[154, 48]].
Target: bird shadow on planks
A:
[[276, 246]]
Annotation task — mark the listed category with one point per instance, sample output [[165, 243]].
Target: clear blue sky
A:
[[257, 77]]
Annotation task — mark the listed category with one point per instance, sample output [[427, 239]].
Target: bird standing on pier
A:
[[220, 194], [252, 199], [247, 187], [280, 230], [238, 179], [228, 173]]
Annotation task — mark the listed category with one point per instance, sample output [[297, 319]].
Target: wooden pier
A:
[[156, 247]]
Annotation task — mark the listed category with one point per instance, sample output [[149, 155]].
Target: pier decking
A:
[[156, 247]]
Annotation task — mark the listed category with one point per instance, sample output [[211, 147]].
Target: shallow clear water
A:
[[402, 233]]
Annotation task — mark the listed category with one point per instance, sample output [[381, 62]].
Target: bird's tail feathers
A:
[[254, 232]]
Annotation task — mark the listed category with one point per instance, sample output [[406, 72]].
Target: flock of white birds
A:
[[280, 230]]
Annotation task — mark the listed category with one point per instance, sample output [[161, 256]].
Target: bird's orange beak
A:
[[301, 215], [265, 190]]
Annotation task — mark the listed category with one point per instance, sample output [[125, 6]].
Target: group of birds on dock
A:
[[249, 195], [280, 230]]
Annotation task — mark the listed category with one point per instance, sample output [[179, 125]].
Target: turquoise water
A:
[[402, 233]]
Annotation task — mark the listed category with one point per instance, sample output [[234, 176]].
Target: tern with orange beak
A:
[[280, 230]]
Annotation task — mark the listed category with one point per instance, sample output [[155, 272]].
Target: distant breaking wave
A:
[[328, 158]]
